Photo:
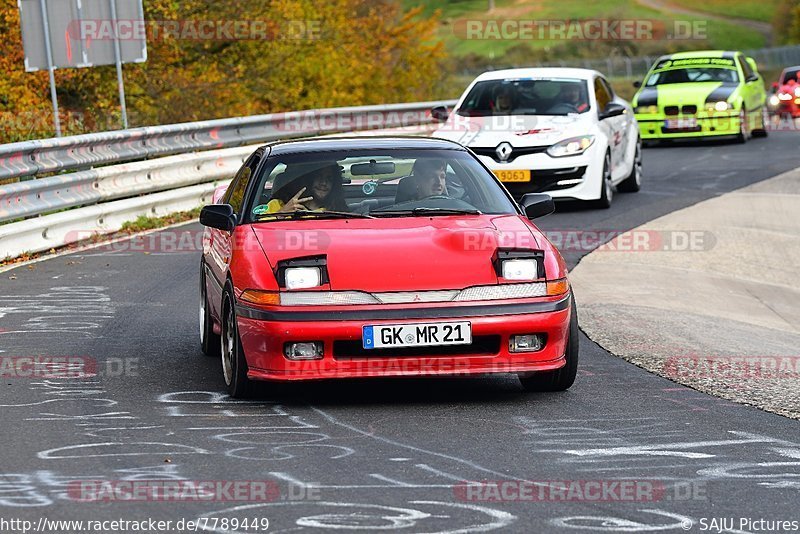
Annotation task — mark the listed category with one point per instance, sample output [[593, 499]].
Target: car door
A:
[[220, 245], [753, 92], [613, 127]]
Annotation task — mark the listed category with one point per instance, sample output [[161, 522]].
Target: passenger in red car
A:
[[322, 189]]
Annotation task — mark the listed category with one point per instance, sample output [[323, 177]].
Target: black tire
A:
[[209, 341], [561, 379], [606, 188], [234, 364], [633, 183], [763, 131]]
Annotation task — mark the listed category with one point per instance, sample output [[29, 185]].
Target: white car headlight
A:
[[302, 277], [520, 269], [574, 146], [774, 100], [797, 92]]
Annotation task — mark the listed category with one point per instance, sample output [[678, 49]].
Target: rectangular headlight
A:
[[520, 269], [302, 277]]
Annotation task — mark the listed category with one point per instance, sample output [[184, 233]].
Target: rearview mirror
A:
[[537, 205], [440, 113], [372, 168], [219, 216], [613, 110]]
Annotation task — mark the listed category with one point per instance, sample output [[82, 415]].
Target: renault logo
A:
[[503, 151]]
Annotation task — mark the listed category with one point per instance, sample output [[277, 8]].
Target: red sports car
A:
[[361, 257], [785, 100]]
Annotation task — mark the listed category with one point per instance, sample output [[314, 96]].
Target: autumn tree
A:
[[315, 54]]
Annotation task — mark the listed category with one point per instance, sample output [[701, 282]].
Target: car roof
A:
[[326, 144], [727, 54], [539, 72]]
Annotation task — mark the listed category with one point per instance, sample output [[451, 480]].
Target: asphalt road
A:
[[378, 454]]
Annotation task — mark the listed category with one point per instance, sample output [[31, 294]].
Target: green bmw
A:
[[706, 94]]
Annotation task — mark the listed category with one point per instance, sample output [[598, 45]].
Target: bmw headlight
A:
[[571, 147], [650, 110], [719, 106], [302, 277]]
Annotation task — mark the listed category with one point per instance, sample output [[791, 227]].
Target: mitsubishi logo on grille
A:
[[503, 151]]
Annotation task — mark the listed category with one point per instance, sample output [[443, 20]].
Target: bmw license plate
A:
[[681, 124], [416, 335]]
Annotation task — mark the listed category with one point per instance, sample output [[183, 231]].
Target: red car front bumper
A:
[[264, 333]]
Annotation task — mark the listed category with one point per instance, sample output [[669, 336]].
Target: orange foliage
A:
[[354, 52]]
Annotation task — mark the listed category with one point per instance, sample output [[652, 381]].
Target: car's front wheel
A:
[[234, 365], [560, 379], [606, 187], [633, 182]]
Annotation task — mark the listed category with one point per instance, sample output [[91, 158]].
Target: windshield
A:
[[554, 96], [693, 70], [375, 183], [790, 75]]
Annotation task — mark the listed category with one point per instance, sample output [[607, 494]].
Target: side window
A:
[[746, 69], [235, 194], [602, 93]]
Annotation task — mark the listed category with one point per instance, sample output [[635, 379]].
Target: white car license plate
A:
[[416, 335], [681, 124]]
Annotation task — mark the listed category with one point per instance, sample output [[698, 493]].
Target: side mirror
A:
[[219, 216], [537, 205], [613, 110], [440, 113], [637, 84], [775, 87]]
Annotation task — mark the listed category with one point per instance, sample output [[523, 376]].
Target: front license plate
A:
[[513, 176], [417, 335], [681, 124]]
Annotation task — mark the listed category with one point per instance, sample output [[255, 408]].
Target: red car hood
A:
[[400, 254]]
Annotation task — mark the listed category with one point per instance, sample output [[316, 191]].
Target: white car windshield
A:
[[554, 96]]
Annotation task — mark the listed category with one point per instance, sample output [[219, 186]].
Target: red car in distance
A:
[[363, 257], [785, 100]]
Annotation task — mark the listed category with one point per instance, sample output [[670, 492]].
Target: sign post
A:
[[59, 34]]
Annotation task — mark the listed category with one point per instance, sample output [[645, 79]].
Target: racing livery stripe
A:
[[722, 93], [648, 96]]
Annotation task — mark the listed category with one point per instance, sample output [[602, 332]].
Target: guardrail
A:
[[106, 197], [30, 158], [34, 197]]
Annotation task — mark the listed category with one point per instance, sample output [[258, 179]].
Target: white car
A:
[[559, 131]]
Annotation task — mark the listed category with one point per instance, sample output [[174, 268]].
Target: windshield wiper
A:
[[422, 212], [308, 214]]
